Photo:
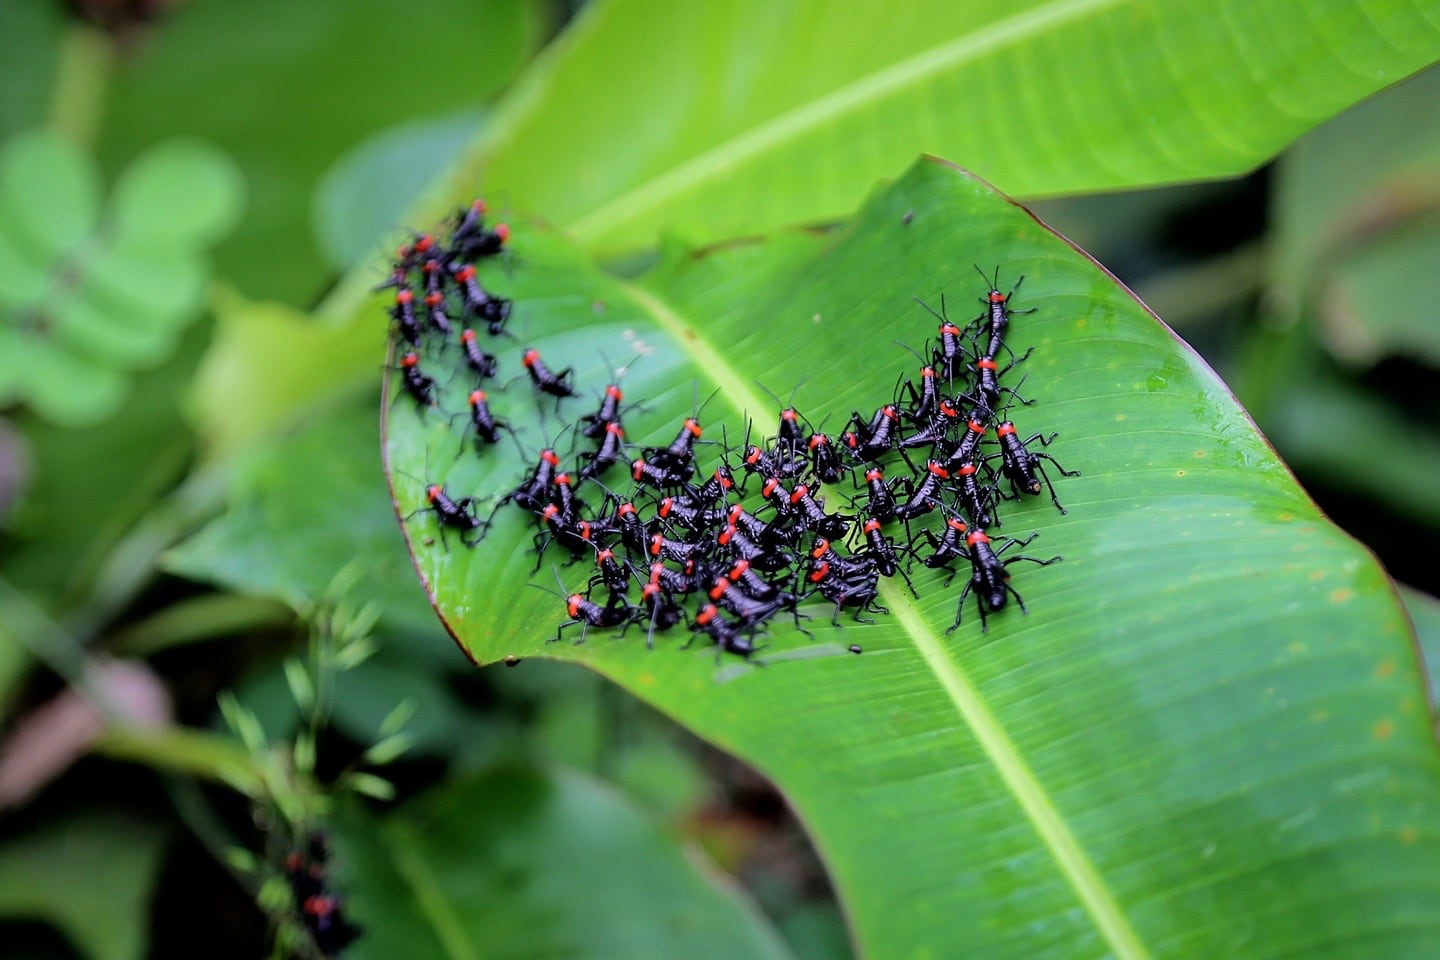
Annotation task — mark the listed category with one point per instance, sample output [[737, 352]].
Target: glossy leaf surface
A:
[[1209, 737], [521, 863], [721, 120]]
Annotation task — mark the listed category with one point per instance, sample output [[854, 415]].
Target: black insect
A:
[[715, 489], [572, 533], [403, 313], [926, 495], [881, 502], [998, 309], [728, 637], [558, 385], [988, 374], [856, 587], [610, 572], [770, 559], [977, 501], [480, 304], [934, 432], [610, 452], [662, 547], [947, 548], [588, 613], [435, 311], [657, 476], [923, 399], [948, 358], [416, 383], [1020, 465], [454, 514], [813, 516], [485, 364], [533, 493], [471, 239], [882, 551], [608, 413], [876, 439], [487, 428], [692, 516], [657, 607], [679, 457], [966, 449], [988, 577], [825, 459]]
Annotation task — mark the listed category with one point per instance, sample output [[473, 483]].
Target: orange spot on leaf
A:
[[1383, 730]]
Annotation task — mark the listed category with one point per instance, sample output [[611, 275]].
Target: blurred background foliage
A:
[[175, 175]]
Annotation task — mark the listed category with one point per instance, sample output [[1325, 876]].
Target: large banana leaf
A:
[[1209, 737], [720, 119]]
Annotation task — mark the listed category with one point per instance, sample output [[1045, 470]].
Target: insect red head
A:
[[977, 537], [873, 475], [502, 230], [404, 296], [977, 427], [789, 414], [986, 363], [656, 569], [431, 266], [997, 297], [742, 566], [722, 477], [949, 330], [968, 470], [477, 207], [1005, 429], [870, 526], [656, 542], [626, 509], [752, 455], [958, 525], [434, 299], [851, 439], [799, 493], [692, 426], [706, 614], [603, 556], [726, 535], [550, 512], [649, 591], [947, 410], [572, 605], [927, 372], [562, 480], [736, 512], [820, 572], [818, 440], [637, 469], [465, 274], [528, 358], [718, 591], [467, 336], [433, 492], [613, 392], [890, 412], [615, 429], [935, 468], [665, 506], [822, 547], [770, 486], [549, 457], [424, 244], [410, 360], [477, 397]]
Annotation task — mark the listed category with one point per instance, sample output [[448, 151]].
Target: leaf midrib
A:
[[815, 113], [1032, 798]]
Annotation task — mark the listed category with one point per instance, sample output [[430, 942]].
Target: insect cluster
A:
[[320, 909], [726, 551]]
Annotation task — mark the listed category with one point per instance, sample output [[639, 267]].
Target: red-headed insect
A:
[[988, 577]]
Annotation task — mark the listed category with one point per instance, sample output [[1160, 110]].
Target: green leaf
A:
[[1209, 737], [723, 120], [178, 194], [89, 876], [49, 194], [301, 511], [1424, 612], [284, 88], [366, 193], [518, 863]]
